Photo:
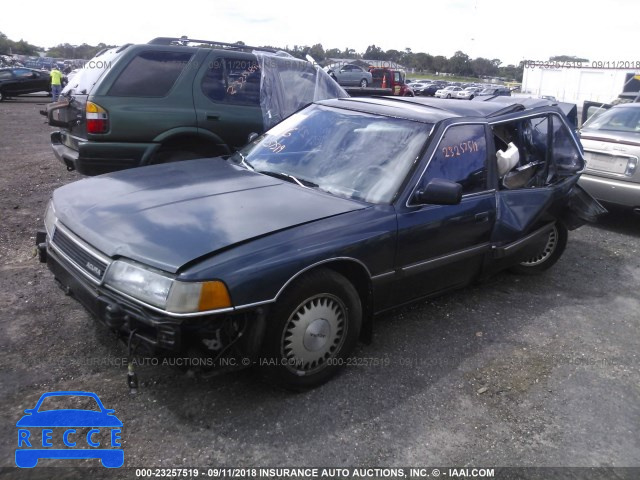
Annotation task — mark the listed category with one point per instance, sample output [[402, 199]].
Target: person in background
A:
[[56, 83]]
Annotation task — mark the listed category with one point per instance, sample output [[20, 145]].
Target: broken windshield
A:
[[349, 154]]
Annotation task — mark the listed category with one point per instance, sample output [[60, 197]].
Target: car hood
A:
[[168, 215]]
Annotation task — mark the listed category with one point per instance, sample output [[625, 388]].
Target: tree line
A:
[[459, 64]]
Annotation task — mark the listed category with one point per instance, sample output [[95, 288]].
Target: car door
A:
[[6, 81], [346, 75], [226, 93], [16, 82], [532, 194], [443, 246], [25, 80]]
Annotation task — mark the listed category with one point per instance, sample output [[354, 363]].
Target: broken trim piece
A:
[[511, 248]]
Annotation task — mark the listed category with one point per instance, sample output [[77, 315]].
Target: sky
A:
[[508, 30]]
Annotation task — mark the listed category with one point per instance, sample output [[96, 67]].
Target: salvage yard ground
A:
[[516, 371]]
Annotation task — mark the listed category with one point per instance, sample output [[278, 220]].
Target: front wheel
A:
[[364, 83], [449, 96], [311, 331], [548, 255]]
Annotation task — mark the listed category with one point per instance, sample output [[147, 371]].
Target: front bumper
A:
[[157, 331], [610, 190]]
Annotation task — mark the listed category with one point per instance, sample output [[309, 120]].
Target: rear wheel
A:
[[364, 83], [548, 255], [313, 327]]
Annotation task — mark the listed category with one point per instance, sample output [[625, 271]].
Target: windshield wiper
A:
[[291, 178]]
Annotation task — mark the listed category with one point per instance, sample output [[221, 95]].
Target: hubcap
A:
[[546, 252], [314, 333]]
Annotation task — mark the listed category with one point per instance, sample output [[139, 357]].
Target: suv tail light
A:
[[97, 118]]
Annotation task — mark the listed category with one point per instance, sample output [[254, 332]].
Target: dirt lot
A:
[[518, 371]]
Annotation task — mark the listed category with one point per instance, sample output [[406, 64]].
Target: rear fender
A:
[[581, 208]]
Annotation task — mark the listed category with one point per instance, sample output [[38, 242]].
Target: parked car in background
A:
[[175, 99], [285, 251], [429, 90], [611, 143], [468, 93], [351, 75], [16, 81], [385, 81], [495, 91], [450, 91]]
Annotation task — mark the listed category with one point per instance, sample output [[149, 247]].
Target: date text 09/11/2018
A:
[[598, 64]]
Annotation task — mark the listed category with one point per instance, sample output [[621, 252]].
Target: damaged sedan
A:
[[283, 253]]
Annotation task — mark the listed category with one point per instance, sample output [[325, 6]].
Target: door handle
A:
[[212, 116], [482, 217]]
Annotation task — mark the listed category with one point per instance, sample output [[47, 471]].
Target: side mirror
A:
[[252, 136], [440, 192]]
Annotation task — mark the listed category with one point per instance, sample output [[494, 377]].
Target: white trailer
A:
[[575, 85]]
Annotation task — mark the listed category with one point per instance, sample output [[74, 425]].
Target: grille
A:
[[84, 260]]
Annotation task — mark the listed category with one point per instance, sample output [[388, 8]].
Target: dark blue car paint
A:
[[169, 215], [258, 234]]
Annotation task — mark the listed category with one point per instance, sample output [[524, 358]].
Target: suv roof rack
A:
[[184, 40]]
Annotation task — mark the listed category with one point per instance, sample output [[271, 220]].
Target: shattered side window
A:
[[287, 84], [522, 152], [566, 155], [460, 157]]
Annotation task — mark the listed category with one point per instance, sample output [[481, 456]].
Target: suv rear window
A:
[[86, 78], [150, 74]]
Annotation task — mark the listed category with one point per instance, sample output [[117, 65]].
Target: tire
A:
[[364, 83], [312, 328], [2, 96], [448, 95], [548, 256], [471, 97]]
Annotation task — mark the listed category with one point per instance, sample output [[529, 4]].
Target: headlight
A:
[[165, 292], [141, 283], [50, 218]]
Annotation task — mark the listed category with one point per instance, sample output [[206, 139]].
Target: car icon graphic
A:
[[65, 421]]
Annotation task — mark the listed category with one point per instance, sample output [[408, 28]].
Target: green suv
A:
[[177, 99]]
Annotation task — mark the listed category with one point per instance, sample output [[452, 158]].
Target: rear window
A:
[[617, 120], [91, 71], [150, 74]]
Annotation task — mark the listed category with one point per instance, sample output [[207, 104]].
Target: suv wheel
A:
[[548, 255], [313, 327]]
